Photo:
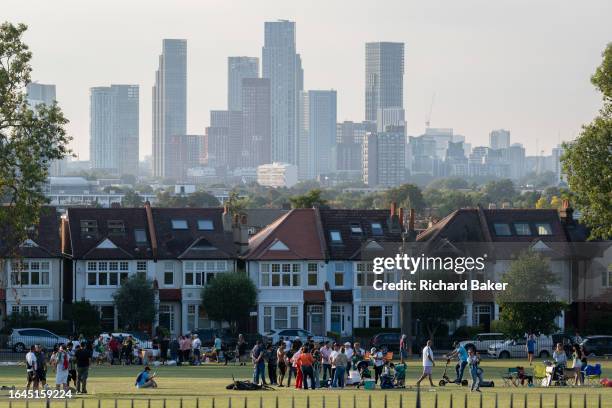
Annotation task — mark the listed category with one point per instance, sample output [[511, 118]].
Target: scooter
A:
[[445, 380]]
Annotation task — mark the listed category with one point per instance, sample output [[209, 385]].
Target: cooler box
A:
[[369, 384]]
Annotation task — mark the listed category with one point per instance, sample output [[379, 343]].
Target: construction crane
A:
[[428, 120]]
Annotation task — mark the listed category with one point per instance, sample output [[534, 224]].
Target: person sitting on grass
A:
[[145, 379]]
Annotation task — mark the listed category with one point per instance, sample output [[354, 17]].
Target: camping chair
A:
[[592, 374], [539, 373], [511, 376]]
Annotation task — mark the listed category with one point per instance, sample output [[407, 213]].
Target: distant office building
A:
[[183, 153], [44, 94], [317, 133], [349, 138], [222, 141], [499, 139], [442, 137], [282, 66], [277, 175], [390, 117], [384, 77], [256, 146], [239, 68], [384, 158], [557, 168], [169, 101], [514, 155], [422, 158], [353, 132], [113, 128], [456, 162], [487, 162]]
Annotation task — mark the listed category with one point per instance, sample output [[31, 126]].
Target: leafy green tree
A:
[[587, 161], [85, 317], [198, 199], [132, 199], [229, 298], [528, 304], [451, 183], [30, 140], [135, 302], [406, 196], [499, 191], [311, 199]]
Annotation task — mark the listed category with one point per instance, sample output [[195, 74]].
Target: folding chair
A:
[[539, 373], [511, 376], [592, 374]]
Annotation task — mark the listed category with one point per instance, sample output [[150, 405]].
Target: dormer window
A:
[[115, 227], [89, 228], [140, 236], [179, 224], [335, 236], [502, 229], [356, 229], [543, 228], [206, 225], [377, 228]]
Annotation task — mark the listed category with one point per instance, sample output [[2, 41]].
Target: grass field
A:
[[206, 384]]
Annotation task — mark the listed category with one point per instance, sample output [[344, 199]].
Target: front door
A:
[[316, 321], [166, 317]]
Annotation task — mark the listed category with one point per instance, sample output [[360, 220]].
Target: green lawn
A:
[[207, 382]]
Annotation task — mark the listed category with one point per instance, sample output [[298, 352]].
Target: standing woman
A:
[[577, 360], [282, 362], [60, 360]]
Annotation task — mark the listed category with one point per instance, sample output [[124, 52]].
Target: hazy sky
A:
[[522, 65]]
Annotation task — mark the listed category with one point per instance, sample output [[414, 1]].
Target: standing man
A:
[[259, 365], [461, 353], [41, 366], [428, 364], [531, 344], [325, 362], [31, 368], [403, 347], [195, 346], [83, 357]]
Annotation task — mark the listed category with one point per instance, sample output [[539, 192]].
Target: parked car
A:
[[21, 340], [597, 345], [518, 348], [146, 344], [274, 336], [388, 341], [482, 341]]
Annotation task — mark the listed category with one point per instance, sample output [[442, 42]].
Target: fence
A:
[[376, 400]]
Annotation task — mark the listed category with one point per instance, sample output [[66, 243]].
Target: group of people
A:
[[579, 360], [321, 364], [69, 361]]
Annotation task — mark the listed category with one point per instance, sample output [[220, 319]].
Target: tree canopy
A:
[[30, 140], [312, 198], [135, 302], [229, 298]]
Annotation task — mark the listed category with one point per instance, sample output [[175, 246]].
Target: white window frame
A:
[[287, 274], [42, 310], [363, 315], [168, 267], [202, 272], [26, 266], [106, 269], [310, 272], [339, 270]]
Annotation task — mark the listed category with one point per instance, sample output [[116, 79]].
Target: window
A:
[[294, 316], [201, 273], [30, 273], [313, 274], [543, 228], [89, 228], [522, 228], [179, 224], [365, 274], [107, 273], [267, 319], [280, 317], [38, 310], [206, 225], [335, 236], [191, 317], [115, 227], [377, 228], [140, 236], [375, 316], [388, 315], [362, 316], [606, 277], [502, 229], [141, 268], [356, 229], [337, 318], [339, 274], [280, 274], [168, 274]]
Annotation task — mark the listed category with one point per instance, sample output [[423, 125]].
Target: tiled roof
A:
[[352, 244], [45, 237], [299, 230], [262, 217]]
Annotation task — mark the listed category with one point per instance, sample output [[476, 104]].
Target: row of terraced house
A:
[[312, 267]]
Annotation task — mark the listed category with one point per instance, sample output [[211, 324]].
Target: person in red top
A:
[[113, 345], [306, 360]]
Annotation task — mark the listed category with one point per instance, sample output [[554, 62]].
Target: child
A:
[[473, 361]]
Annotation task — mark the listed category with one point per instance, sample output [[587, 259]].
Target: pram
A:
[[555, 375], [364, 372]]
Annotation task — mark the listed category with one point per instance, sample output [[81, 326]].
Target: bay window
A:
[[201, 273], [107, 273], [30, 273], [280, 274]]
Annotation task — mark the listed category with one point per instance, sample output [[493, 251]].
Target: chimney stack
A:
[[411, 220], [401, 218], [241, 233], [151, 227], [393, 208], [226, 218], [566, 213]]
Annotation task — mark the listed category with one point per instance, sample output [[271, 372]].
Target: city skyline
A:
[[536, 84]]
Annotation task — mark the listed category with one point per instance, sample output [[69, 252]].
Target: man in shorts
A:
[[41, 366], [31, 366], [428, 364]]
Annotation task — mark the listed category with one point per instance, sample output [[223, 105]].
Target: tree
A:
[[29, 141], [132, 199], [500, 191], [308, 200], [135, 302], [229, 298], [406, 196], [85, 317], [587, 161], [528, 305]]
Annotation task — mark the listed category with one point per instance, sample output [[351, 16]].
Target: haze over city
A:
[[519, 65]]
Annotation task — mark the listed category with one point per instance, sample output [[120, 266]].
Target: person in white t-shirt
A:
[[195, 346], [428, 363], [348, 350], [31, 367]]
